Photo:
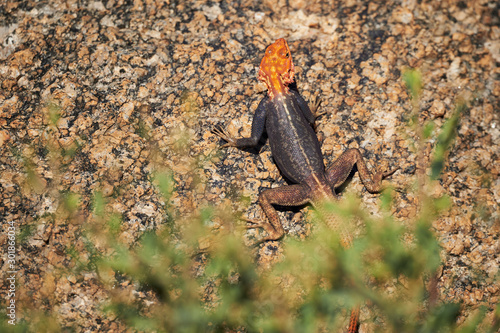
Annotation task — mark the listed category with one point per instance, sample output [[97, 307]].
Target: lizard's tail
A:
[[346, 239], [354, 321]]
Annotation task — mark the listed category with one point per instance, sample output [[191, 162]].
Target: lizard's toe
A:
[[388, 173], [221, 133]]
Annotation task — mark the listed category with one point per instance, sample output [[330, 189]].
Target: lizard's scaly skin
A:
[[289, 123]]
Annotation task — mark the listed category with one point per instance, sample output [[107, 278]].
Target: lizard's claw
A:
[[221, 133]]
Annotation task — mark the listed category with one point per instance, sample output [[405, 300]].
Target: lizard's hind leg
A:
[[291, 195], [338, 172]]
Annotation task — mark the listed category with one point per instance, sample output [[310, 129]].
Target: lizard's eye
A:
[[287, 54]]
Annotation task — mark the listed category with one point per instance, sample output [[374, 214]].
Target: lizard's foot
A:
[[388, 173], [221, 133], [254, 224], [272, 235], [376, 185], [262, 240], [315, 104]]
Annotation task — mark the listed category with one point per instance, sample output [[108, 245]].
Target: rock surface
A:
[[87, 87]]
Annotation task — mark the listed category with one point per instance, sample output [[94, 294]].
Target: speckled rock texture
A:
[[95, 96]]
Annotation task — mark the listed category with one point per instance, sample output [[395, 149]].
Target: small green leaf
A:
[[413, 81], [444, 141], [428, 128]]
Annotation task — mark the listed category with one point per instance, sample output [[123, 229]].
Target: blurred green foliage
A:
[[190, 277]]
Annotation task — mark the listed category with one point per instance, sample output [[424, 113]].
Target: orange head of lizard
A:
[[276, 68]]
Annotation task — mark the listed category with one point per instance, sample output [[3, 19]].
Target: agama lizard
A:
[[289, 123]]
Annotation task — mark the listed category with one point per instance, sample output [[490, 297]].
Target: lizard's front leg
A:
[[291, 195], [258, 124], [338, 172], [311, 113]]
